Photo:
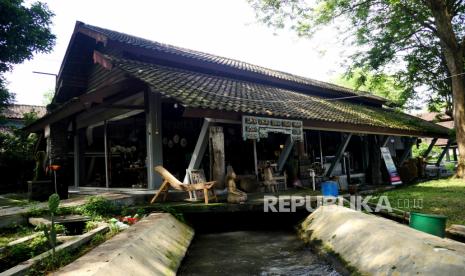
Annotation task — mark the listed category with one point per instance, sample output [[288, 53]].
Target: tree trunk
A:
[[453, 52]]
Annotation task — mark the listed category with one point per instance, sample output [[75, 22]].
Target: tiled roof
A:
[[198, 90], [17, 111], [240, 65]]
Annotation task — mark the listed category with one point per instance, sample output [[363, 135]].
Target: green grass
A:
[[442, 197], [10, 234]]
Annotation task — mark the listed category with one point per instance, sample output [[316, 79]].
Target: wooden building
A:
[[124, 104]]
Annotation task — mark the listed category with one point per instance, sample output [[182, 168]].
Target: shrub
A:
[[98, 206]]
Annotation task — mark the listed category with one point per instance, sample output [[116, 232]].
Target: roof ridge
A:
[[242, 65]]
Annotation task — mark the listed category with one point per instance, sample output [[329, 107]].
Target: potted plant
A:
[[40, 187]]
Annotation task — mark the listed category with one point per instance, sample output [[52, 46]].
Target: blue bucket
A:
[[329, 188]]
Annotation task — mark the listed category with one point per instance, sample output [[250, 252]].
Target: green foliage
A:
[[17, 153], [399, 37], [441, 197], [49, 264], [90, 225], [421, 149], [51, 234], [379, 84], [53, 203], [48, 97], [25, 30], [178, 215], [98, 206]]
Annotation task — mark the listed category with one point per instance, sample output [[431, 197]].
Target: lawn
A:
[[442, 197]]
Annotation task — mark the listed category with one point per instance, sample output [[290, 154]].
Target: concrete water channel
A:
[[250, 243], [278, 252]]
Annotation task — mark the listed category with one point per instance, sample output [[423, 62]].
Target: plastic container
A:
[[429, 223], [329, 188]]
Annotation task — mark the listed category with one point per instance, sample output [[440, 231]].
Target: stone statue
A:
[[234, 194]]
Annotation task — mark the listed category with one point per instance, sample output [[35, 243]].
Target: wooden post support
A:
[[321, 149], [255, 160], [430, 147], [79, 166], [105, 148], [153, 127], [199, 149], [339, 153], [365, 152], [443, 153], [385, 140], [217, 155], [285, 153], [407, 151]]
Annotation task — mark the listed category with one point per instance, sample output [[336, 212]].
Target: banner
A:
[[259, 127], [391, 168]]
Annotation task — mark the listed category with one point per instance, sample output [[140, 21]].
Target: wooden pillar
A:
[[365, 152], [153, 137], [255, 159], [217, 155], [79, 158], [105, 148], [454, 152], [374, 166], [321, 150]]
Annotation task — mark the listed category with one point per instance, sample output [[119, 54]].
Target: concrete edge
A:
[[156, 245], [370, 245]]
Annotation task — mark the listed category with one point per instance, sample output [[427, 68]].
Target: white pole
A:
[[105, 145]]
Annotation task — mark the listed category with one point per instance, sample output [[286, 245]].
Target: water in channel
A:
[[252, 253]]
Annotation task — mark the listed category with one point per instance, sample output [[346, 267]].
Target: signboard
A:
[[391, 168], [258, 127]]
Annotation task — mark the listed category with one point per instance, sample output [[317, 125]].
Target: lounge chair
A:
[[170, 181]]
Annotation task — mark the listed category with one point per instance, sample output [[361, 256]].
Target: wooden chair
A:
[[169, 181]]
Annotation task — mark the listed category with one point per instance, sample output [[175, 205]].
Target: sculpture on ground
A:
[[234, 194]]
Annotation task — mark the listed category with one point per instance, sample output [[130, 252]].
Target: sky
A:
[[222, 27]]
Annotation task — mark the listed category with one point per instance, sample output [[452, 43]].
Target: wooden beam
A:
[[443, 153], [339, 153], [430, 147], [407, 151], [80, 103], [199, 149], [285, 153], [314, 124], [128, 106], [385, 140]]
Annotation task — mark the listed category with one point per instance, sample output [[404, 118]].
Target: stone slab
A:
[[155, 245], [59, 219], [378, 246]]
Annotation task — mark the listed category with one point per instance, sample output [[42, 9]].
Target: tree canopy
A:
[[397, 37], [24, 31], [381, 85], [420, 43]]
